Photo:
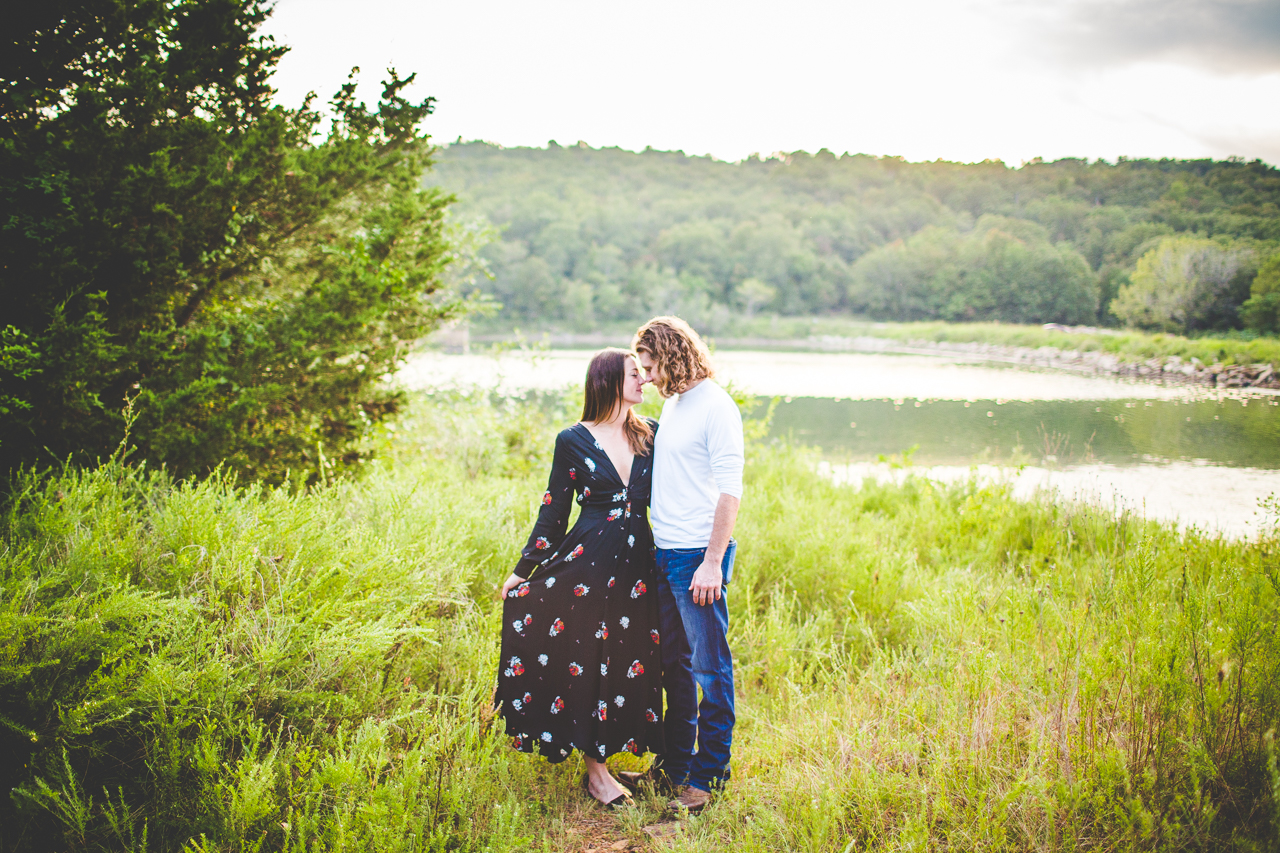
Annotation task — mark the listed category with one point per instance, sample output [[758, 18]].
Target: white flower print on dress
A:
[[625, 622], [619, 700], [615, 514], [631, 541], [604, 668], [551, 582], [546, 737], [542, 659], [620, 496], [591, 465], [517, 704]]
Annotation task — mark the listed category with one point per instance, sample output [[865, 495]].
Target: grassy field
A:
[[212, 667]]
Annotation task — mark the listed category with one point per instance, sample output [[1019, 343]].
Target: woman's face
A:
[[632, 384]]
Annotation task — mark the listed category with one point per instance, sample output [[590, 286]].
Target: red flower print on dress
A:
[[639, 589], [603, 633], [520, 591], [581, 590], [557, 706], [630, 746], [637, 668], [614, 514], [546, 498], [541, 543], [586, 493], [650, 716], [515, 667], [556, 627], [575, 669], [528, 697], [573, 473], [612, 581], [653, 635], [518, 741], [602, 711], [577, 552]]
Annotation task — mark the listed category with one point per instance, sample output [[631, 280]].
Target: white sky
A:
[[954, 79]]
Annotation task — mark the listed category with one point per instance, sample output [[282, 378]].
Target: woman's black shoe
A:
[[621, 801]]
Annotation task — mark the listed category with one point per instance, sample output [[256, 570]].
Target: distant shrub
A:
[[1186, 284], [1004, 269], [1261, 312]]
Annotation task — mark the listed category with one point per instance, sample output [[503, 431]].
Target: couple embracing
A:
[[599, 620]]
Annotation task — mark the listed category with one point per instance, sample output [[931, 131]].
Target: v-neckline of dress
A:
[[626, 484]]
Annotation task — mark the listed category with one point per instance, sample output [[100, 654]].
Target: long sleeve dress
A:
[[581, 663]]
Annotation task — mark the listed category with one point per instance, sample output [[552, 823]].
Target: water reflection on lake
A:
[[1232, 432], [1170, 453]]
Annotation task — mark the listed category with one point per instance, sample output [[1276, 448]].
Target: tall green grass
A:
[[213, 666]]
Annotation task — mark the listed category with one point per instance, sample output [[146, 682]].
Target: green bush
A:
[[1261, 312], [1004, 269], [1186, 284], [173, 237]]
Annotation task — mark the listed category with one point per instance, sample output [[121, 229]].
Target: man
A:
[[697, 484]]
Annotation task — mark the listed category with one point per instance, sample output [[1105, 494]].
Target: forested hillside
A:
[[586, 237]]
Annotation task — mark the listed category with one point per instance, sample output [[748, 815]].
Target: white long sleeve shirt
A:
[[697, 456]]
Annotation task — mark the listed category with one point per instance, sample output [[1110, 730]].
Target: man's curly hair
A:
[[680, 355]]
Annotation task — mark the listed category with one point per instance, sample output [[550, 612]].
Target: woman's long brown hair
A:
[[605, 375]]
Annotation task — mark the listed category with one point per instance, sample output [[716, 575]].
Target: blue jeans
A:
[[695, 654]]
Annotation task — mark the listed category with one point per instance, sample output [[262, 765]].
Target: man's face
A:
[[648, 368]]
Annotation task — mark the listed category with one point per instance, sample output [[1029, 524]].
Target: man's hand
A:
[[510, 584], [706, 582]]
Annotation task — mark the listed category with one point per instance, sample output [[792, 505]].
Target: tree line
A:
[[585, 237]]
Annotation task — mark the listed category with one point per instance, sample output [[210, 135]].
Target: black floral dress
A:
[[581, 664]]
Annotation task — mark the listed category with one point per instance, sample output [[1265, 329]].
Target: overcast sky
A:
[[954, 79]]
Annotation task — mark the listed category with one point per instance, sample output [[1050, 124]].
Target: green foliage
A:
[[595, 237], [1004, 269], [203, 667], [1261, 312], [172, 236], [1186, 284]]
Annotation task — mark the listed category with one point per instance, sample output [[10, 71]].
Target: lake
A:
[[1197, 457]]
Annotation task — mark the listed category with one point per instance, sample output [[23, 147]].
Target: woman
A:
[[581, 663]]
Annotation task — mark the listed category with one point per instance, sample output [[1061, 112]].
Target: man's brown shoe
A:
[[633, 780], [689, 799]]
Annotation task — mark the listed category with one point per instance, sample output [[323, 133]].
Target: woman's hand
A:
[[510, 584]]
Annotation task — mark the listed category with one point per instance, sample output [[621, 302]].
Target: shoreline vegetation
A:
[[1212, 361], [202, 665]]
